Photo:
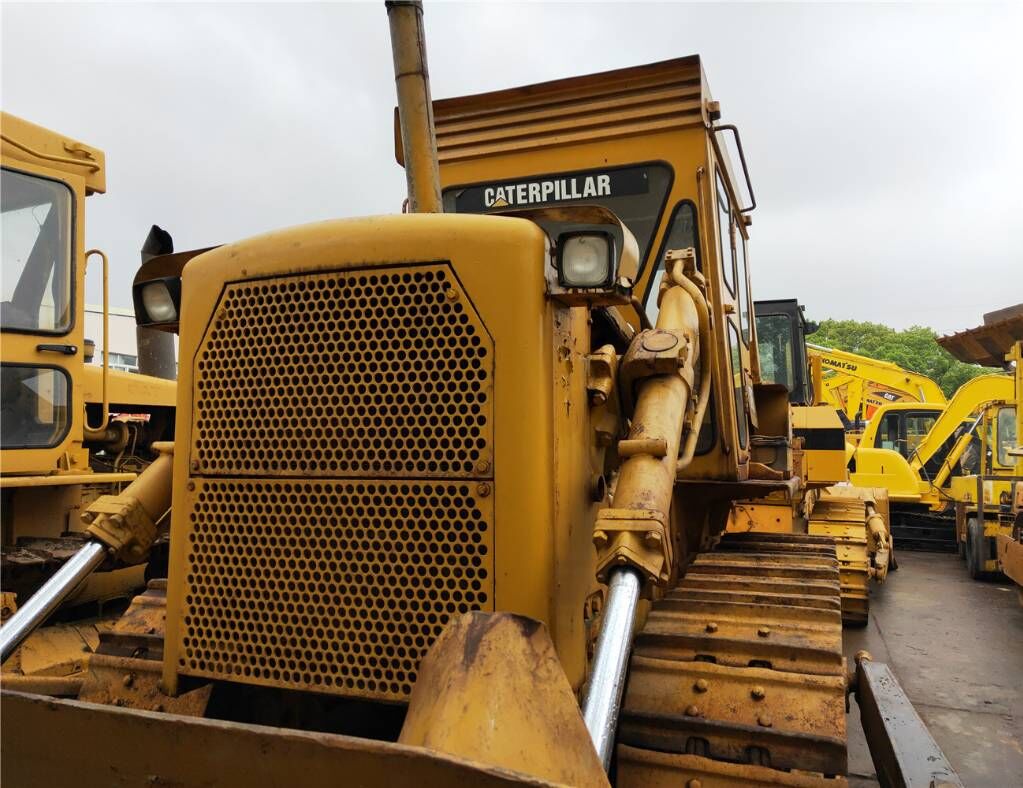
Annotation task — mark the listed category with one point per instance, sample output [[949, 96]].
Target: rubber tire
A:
[[974, 549]]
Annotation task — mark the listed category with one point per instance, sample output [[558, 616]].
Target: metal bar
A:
[[44, 601], [415, 108], [610, 661], [903, 750]]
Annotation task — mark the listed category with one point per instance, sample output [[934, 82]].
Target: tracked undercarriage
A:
[[738, 676]]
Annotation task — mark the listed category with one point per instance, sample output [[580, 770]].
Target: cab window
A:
[[1006, 434], [735, 344], [774, 341], [742, 275], [725, 235], [681, 234], [35, 227], [34, 404]]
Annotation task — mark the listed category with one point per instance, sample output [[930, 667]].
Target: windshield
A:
[[35, 283], [774, 342], [636, 195]]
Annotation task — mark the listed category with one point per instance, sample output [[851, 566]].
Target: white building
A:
[[123, 344]]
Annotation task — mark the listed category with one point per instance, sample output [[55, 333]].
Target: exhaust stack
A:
[[415, 109]]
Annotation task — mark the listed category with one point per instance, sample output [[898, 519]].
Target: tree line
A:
[[913, 348]]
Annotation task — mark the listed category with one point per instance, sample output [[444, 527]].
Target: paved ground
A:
[[956, 646]]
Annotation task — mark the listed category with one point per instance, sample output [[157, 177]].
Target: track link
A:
[[737, 677], [842, 518], [931, 532]]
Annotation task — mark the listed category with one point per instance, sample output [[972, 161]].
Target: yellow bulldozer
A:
[[449, 489], [72, 433]]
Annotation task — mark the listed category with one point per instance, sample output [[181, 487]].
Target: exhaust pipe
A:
[[611, 660], [415, 109]]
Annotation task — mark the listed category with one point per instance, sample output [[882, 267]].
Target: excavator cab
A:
[[781, 339]]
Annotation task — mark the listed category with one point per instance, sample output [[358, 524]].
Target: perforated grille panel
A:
[[336, 587], [341, 509], [383, 373]]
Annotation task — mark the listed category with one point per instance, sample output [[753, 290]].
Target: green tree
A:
[[913, 348]]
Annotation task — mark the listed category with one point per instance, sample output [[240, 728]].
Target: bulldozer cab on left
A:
[[61, 447]]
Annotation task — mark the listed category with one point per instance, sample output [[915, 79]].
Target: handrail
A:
[[106, 343], [93, 166]]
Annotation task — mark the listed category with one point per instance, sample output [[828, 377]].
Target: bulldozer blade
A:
[[112, 746], [492, 689]]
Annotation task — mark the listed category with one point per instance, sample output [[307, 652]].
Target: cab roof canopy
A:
[[608, 105], [26, 142], [988, 344]]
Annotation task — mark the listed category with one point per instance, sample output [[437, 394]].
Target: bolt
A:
[[652, 538], [482, 466], [451, 294], [598, 398], [757, 693], [128, 680], [693, 710], [712, 627], [158, 707], [700, 685], [764, 631], [118, 701], [88, 517], [764, 720], [190, 486], [483, 489], [599, 538], [694, 783], [194, 465]]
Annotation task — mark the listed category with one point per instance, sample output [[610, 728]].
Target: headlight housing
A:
[[586, 259], [158, 302]]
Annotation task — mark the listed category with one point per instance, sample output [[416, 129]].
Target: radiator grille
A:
[[336, 587], [380, 373], [340, 510]]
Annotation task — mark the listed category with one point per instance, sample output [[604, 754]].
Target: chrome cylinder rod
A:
[[610, 661], [44, 601]]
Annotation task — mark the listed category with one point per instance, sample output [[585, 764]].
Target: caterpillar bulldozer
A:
[[72, 434], [988, 501], [856, 386], [447, 506]]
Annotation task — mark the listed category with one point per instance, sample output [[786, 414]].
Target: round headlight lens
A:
[[156, 298], [586, 260]]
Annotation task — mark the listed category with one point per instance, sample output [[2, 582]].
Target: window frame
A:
[[1009, 460], [720, 185], [59, 439], [72, 262], [663, 247], [738, 392]]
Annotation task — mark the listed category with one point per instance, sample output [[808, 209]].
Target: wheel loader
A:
[[72, 433], [448, 506]]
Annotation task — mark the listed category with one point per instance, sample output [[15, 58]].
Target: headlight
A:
[[585, 260], [158, 303]]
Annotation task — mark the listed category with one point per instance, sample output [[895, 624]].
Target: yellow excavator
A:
[[856, 386], [447, 506], [71, 433], [918, 451], [988, 500]]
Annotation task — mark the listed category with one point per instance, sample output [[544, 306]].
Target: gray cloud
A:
[[881, 139]]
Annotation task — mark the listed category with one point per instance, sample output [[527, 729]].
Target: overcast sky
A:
[[883, 140]]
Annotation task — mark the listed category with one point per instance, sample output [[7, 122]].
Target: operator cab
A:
[[781, 340]]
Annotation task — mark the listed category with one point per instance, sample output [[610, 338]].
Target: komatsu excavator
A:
[[446, 508], [63, 441], [856, 386]]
